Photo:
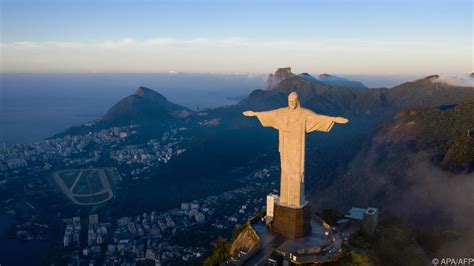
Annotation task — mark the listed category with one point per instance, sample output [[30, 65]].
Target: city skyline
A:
[[349, 37]]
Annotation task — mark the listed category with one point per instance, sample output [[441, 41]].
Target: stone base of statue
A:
[[291, 222]]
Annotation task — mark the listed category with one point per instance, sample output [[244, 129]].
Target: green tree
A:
[[220, 252]]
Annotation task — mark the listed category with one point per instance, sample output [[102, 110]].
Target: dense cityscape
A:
[[151, 236], [88, 148], [103, 238]]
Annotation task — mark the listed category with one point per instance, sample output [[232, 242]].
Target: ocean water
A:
[[16, 252], [37, 106]]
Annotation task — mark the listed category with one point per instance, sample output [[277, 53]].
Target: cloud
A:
[[411, 188], [73, 45], [456, 80], [24, 44], [124, 42], [161, 41], [197, 41], [437, 195], [232, 54], [335, 44], [120, 43]]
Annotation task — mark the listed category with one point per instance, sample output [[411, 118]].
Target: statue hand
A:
[[341, 120], [249, 113]]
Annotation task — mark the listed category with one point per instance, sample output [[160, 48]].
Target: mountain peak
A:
[[431, 77], [308, 77], [152, 95], [325, 76], [144, 103], [280, 74], [426, 80], [142, 91], [338, 81]]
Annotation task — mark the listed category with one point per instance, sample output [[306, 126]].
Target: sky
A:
[[391, 37]]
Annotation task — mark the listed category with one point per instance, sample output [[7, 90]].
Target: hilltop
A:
[[144, 104], [446, 133], [338, 81]]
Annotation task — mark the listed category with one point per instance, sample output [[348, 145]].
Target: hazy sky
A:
[[333, 36]]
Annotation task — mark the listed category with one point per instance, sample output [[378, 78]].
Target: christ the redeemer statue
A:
[[293, 122]]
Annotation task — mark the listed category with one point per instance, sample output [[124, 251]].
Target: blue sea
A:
[[16, 252]]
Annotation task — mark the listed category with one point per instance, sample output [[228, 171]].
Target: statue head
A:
[[293, 101]]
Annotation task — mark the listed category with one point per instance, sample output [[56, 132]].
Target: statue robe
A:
[[292, 126]]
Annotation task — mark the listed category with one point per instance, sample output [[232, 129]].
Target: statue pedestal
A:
[[291, 222]]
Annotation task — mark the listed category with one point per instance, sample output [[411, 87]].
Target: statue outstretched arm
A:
[[270, 118], [323, 123], [249, 113], [341, 120]]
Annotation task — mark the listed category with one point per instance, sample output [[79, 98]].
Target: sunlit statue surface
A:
[[292, 123]]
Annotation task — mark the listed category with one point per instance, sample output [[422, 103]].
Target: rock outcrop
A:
[[274, 79]]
